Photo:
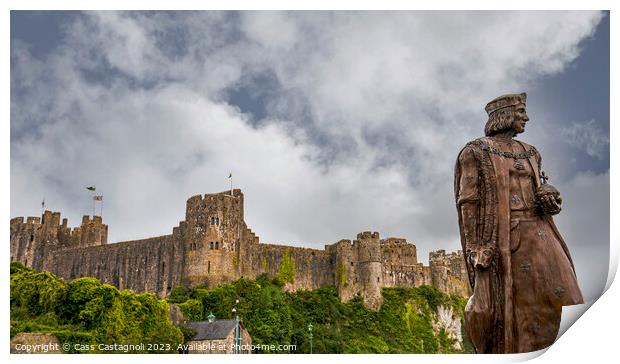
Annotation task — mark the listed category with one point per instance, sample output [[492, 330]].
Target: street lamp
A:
[[237, 328], [310, 336]]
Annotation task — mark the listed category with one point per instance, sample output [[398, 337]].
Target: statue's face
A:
[[521, 118]]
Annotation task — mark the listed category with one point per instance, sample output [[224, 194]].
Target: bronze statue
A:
[[519, 266]]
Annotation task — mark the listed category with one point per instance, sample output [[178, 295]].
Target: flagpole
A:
[[92, 189]]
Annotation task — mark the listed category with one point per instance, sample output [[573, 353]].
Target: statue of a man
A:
[[519, 266]]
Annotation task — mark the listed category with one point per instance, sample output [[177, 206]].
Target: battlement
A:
[[367, 235], [91, 232], [198, 200], [441, 256], [393, 242], [48, 218], [95, 220], [436, 255]]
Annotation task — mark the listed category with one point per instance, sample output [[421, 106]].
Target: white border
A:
[[592, 337]]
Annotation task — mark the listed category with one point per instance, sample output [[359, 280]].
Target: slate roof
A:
[[218, 329]]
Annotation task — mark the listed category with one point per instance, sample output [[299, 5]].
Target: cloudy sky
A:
[[330, 122]]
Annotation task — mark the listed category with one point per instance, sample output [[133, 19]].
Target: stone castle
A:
[[213, 245]]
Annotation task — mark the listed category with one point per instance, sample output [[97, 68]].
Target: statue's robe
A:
[[517, 302]]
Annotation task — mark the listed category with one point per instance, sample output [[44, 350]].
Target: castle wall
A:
[[449, 273], [148, 265], [213, 245], [313, 267], [400, 263]]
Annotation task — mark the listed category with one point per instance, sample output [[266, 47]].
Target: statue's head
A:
[[505, 113]]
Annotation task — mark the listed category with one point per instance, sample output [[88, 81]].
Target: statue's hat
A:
[[505, 101]]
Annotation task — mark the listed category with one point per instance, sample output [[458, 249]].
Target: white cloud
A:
[[134, 103], [587, 136]]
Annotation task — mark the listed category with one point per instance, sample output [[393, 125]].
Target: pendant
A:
[[518, 165]]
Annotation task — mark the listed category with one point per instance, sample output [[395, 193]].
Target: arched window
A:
[[217, 221], [31, 238], [211, 246], [209, 266], [163, 266], [212, 220], [217, 245]]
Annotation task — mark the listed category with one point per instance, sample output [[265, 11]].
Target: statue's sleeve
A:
[[468, 183], [468, 196]]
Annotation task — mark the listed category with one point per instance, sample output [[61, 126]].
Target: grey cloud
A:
[[361, 131]]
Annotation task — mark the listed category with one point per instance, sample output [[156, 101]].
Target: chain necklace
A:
[[513, 155]]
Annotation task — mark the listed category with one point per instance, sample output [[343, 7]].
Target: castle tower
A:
[[92, 232], [31, 241], [370, 268], [213, 231]]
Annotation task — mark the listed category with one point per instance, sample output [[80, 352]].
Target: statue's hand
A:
[[551, 204], [549, 199]]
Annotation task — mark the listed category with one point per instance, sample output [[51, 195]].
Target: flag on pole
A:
[[230, 175], [98, 197], [91, 188]]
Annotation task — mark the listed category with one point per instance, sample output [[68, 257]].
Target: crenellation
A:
[[213, 245], [17, 220], [33, 220]]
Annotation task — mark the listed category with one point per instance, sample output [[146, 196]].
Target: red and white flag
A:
[[98, 197]]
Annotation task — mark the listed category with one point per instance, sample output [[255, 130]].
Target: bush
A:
[[35, 293], [192, 310], [179, 294], [87, 311]]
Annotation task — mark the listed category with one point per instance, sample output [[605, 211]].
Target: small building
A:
[[218, 337]]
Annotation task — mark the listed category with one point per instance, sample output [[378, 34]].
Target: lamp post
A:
[[237, 328], [310, 336]]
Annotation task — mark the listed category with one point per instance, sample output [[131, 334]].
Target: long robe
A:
[[517, 302]]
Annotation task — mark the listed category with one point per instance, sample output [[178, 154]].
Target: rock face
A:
[[450, 321], [213, 245], [29, 343]]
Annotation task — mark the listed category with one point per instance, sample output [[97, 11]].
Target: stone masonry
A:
[[213, 245]]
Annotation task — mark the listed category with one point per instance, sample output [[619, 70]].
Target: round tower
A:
[[213, 225], [370, 268]]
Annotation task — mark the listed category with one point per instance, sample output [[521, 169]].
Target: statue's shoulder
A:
[[529, 147], [476, 144], [526, 145], [472, 150]]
